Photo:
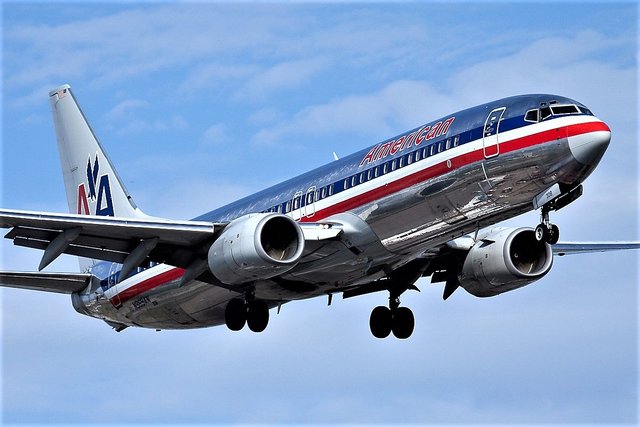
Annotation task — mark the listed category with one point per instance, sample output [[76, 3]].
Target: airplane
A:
[[424, 203]]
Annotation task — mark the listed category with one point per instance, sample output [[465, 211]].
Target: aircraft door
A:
[[490, 138], [310, 202]]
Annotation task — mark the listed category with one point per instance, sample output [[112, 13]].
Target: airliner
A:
[[421, 204]]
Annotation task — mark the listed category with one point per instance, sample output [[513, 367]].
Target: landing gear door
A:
[[490, 139]]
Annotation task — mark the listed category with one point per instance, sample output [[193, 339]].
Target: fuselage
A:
[[411, 193]]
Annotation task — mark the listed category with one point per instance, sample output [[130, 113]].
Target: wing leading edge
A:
[[123, 240], [561, 249]]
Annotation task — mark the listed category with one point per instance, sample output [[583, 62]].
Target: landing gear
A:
[[545, 231], [250, 311], [398, 320]]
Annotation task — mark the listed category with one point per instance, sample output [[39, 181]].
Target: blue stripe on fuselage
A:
[[468, 126]]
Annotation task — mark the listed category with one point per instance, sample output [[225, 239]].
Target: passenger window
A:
[[417, 154], [385, 168], [456, 140], [331, 189], [288, 208], [440, 147], [354, 181], [323, 192], [401, 162], [369, 174], [346, 183], [448, 144], [362, 177], [376, 171], [393, 164], [432, 150], [409, 159], [425, 152]]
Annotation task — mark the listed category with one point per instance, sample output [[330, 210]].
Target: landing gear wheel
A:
[[258, 316], [380, 322], [542, 233], [235, 315], [402, 323], [554, 234]]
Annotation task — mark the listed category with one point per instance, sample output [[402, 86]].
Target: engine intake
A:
[[504, 260], [256, 246]]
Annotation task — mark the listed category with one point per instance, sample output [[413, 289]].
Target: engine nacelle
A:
[[504, 260], [256, 246]]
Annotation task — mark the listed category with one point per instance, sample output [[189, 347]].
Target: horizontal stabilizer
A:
[[62, 283]]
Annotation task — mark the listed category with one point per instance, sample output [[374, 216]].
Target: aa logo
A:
[[96, 192]]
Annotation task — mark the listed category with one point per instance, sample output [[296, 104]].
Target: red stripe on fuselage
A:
[[148, 284], [456, 162], [400, 184]]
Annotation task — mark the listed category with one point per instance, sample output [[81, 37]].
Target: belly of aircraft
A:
[[456, 203]]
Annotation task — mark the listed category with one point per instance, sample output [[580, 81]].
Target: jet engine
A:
[[256, 246], [504, 260]]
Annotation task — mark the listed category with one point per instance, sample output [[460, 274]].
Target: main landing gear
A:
[[396, 319], [545, 231], [250, 311]]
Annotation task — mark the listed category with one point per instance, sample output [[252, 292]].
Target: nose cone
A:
[[589, 147]]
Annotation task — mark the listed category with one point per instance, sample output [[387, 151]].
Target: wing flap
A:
[[110, 238], [62, 283]]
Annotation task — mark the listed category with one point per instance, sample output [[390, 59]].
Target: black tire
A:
[[235, 315], [258, 316], [542, 233], [380, 322], [554, 235], [402, 323]]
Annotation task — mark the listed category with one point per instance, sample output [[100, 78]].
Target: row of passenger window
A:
[[313, 195]]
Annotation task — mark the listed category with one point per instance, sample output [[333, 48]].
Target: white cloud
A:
[[399, 105], [216, 134], [125, 109], [286, 75]]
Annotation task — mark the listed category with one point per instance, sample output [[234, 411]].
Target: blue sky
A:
[[200, 104]]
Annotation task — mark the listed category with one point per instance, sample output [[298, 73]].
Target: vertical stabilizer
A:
[[92, 184]]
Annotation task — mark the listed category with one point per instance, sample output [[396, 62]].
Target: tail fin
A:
[[92, 184]]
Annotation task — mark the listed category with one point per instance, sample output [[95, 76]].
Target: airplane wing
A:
[[62, 283], [561, 249], [127, 241], [110, 238]]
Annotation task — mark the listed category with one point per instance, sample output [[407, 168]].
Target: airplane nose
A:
[[588, 148]]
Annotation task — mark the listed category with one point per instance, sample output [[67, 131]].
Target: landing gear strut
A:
[[545, 231], [396, 319], [250, 311]]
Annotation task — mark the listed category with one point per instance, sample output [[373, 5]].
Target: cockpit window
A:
[[531, 116], [553, 108], [564, 109]]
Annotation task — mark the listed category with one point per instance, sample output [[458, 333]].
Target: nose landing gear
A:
[[545, 231]]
